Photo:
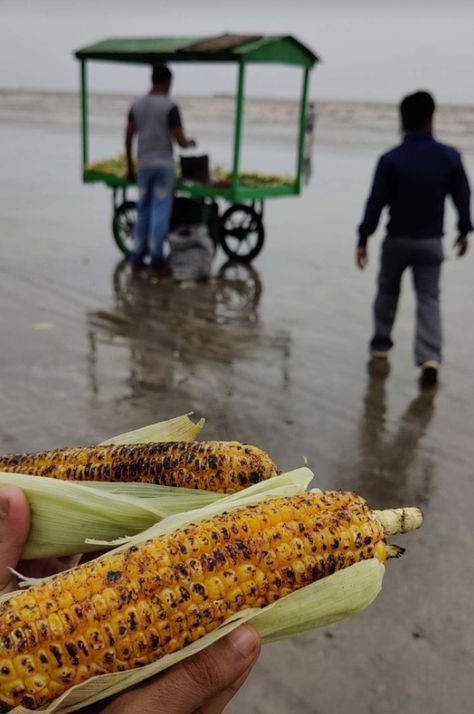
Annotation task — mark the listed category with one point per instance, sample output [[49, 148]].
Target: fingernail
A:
[[244, 640], [4, 506]]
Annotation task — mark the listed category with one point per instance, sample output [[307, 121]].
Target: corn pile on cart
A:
[[239, 228]]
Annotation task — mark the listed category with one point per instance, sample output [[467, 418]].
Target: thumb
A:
[[190, 685], [14, 527]]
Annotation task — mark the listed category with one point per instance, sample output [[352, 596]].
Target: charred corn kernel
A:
[[215, 588], [222, 466], [136, 610]]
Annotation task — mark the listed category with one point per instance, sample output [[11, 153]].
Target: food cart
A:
[[234, 206]]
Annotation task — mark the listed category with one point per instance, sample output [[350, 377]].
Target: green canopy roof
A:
[[280, 49]]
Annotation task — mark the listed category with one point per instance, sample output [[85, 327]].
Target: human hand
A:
[[204, 683], [462, 244], [362, 257], [15, 522], [191, 143]]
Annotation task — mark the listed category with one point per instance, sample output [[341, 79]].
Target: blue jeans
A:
[[156, 191]]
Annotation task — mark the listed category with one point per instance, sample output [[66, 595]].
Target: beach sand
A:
[[274, 355]]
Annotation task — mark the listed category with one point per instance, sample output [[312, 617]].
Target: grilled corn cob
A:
[[130, 608], [223, 466]]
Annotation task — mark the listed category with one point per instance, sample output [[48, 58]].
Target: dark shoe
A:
[[429, 375], [137, 265]]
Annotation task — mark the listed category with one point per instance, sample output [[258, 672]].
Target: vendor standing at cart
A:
[[156, 119]]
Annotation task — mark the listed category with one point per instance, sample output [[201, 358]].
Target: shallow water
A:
[[275, 355]]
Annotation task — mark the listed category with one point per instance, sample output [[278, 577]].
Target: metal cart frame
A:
[[239, 229]]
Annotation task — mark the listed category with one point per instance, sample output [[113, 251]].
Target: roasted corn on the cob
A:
[[223, 466], [130, 608]]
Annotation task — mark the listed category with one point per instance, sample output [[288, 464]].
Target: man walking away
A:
[[413, 180], [156, 119]]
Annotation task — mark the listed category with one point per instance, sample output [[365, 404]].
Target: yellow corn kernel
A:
[[127, 609], [222, 466]]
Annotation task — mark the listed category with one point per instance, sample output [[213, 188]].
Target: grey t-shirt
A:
[[155, 115]]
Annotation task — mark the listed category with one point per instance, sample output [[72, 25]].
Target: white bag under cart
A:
[[191, 253]]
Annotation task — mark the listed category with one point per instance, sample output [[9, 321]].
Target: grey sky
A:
[[371, 49]]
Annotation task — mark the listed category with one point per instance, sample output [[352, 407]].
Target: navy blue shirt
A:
[[413, 180]]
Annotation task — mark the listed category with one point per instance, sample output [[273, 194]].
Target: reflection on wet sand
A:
[[391, 467], [231, 296], [176, 335]]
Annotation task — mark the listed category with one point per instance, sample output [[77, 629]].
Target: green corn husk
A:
[[178, 429], [65, 513], [291, 483], [316, 605]]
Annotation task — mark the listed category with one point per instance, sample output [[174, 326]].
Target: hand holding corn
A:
[[130, 608], [14, 527], [206, 682], [211, 677]]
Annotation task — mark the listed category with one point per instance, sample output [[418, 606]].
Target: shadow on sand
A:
[[391, 466]]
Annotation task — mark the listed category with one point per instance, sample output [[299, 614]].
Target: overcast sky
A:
[[371, 49]]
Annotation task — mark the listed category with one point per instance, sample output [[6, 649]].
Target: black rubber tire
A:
[[123, 222], [234, 234]]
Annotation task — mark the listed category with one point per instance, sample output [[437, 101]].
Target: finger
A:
[[217, 704], [14, 528], [48, 566], [189, 685], [218, 671]]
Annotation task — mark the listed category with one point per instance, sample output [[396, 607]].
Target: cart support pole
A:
[[300, 147], [238, 130], [84, 115]]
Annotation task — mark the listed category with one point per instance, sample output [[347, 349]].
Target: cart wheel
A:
[[241, 232], [123, 223]]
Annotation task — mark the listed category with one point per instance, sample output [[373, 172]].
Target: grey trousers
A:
[[424, 256]]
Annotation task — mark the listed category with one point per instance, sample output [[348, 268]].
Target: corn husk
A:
[[315, 605], [65, 513], [288, 484], [178, 429]]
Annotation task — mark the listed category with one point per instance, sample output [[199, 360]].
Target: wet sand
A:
[[275, 355]]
